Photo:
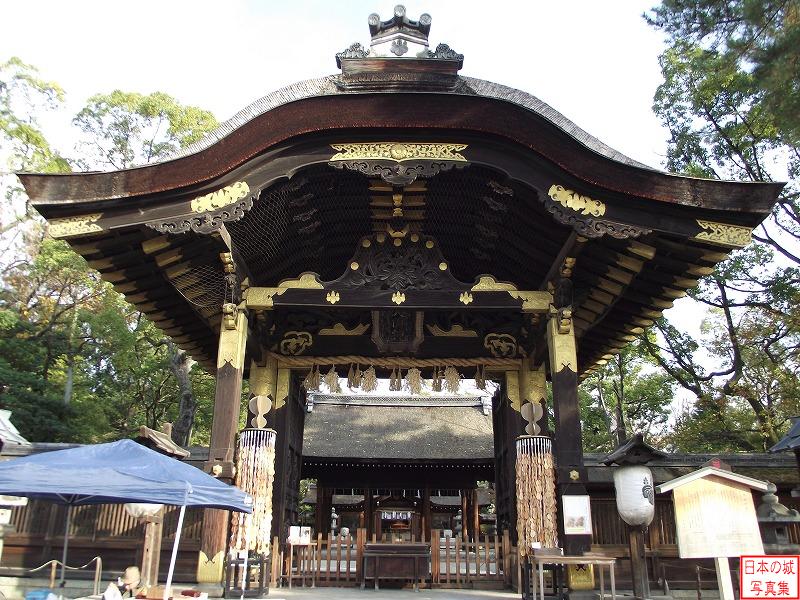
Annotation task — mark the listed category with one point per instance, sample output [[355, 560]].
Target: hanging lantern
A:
[[635, 496]]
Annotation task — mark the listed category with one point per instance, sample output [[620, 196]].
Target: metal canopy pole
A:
[[64, 551], [174, 553]]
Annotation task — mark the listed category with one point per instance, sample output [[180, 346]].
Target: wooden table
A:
[[554, 559], [395, 561]]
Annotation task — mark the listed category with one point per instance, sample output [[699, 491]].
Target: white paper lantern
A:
[[635, 494]]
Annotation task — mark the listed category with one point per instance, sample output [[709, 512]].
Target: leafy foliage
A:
[[729, 99], [122, 129], [628, 395], [77, 363]]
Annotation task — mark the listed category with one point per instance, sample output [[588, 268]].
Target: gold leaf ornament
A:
[[575, 201]]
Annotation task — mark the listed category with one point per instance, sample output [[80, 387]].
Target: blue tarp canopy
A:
[[116, 472]]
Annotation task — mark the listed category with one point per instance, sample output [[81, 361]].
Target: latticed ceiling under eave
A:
[[483, 224], [315, 221]]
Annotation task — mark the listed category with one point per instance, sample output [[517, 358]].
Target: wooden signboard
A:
[[716, 517]]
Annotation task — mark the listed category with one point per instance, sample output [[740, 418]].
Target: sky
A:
[[594, 61]]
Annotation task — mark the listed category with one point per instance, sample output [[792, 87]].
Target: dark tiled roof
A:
[[391, 432], [791, 441], [780, 469]]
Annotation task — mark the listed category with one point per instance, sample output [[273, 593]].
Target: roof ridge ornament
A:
[[399, 57]]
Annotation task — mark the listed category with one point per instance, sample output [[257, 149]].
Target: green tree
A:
[[77, 363], [23, 95], [123, 129], [120, 130], [38, 301], [727, 101], [627, 395]]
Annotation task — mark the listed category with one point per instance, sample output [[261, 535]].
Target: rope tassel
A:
[[414, 380], [332, 381], [436, 382], [452, 379], [312, 380], [369, 383]]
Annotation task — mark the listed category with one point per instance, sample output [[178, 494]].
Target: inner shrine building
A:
[[398, 221]]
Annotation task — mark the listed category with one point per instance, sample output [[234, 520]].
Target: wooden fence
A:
[[109, 531], [490, 561], [104, 529]]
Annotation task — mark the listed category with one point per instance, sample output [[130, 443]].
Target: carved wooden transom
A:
[[414, 262]]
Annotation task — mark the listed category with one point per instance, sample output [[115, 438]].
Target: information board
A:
[[715, 517]]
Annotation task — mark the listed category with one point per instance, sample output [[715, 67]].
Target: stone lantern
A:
[[774, 520]]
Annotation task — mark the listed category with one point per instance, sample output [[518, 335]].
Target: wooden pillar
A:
[[369, 519], [319, 509], [327, 508], [476, 516], [426, 514], [464, 515], [568, 449], [641, 583], [151, 551], [508, 425], [227, 400], [287, 419]]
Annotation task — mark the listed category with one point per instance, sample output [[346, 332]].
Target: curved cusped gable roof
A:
[[551, 189], [473, 105]]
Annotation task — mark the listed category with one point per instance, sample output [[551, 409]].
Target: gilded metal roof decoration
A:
[[227, 195], [580, 212], [581, 204], [206, 222], [306, 281], [340, 329], [454, 331], [501, 345], [532, 301], [398, 151], [487, 283], [262, 297], [724, 234], [69, 226], [295, 342], [398, 163]]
